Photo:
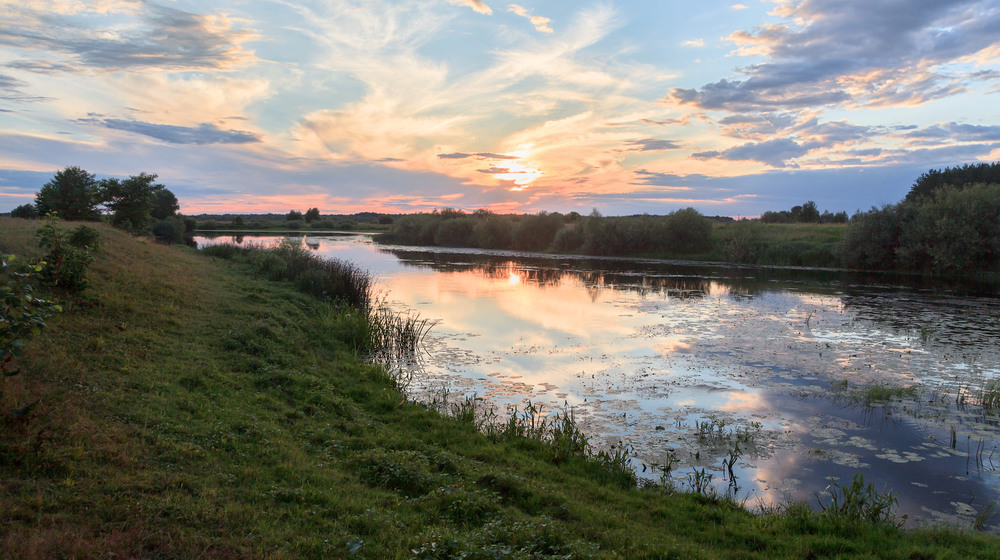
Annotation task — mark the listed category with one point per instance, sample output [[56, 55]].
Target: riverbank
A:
[[188, 407]]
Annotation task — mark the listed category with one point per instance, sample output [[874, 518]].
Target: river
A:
[[772, 381]]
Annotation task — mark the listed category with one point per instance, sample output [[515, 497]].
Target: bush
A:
[[170, 230], [22, 315], [743, 244], [872, 238], [24, 211], [953, 231], [69, 254], [493, 232], [455, 233], [688, 231], [569, 239], [536, 232]]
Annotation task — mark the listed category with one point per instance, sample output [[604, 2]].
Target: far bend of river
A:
[[682, 361]]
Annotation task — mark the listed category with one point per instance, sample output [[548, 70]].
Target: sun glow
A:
[[520, 174]]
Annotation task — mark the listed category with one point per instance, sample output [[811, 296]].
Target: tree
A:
[[24, 211], [131, 201], [957, 177], [312, 215], [164, 204], [293, 215], [72, 194], [808, 213]]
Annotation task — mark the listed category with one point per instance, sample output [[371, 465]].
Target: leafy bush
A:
[[872, 238], [22, 315], [569, 239], [455, 233], [954, 230], [69, 254], [536, 232], [688, 231], [743, 244], [493, 232], [24, 211], [170, 230]]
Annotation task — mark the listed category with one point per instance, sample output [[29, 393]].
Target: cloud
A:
[[153, 37], [738, 7], [40, 67], [479, 155], [477, 5], [652, 145], [10, 90], [775, 153], [958, 132], [697, 43], [202, 134], [828, 52], [541, 23]]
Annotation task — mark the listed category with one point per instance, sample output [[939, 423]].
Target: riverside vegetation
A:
[[191, 406], [946, 225]]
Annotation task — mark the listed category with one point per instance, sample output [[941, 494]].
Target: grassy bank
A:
[[189, 407]]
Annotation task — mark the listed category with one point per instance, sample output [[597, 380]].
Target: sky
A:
[[395, 106]]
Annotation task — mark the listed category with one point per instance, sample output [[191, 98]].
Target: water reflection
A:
[[780, 361]]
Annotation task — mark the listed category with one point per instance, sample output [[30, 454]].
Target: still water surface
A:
[[683, 361]]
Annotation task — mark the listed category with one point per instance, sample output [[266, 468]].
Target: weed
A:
[[990, 397], [860, 503], [984, 516], [700, 483]]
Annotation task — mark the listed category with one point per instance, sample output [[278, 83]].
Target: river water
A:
[[772, 381]]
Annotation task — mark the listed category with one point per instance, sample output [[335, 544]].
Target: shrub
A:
[[872, 238], [688, 231], [455, 233], [170, 230], [24, 211], [536, 232], [493, 232], [743, 244], [22, 315], [569, 239], [69, 254], [953, 231]]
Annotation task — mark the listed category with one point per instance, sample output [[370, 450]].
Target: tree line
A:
[[949, 222], [137, 204]]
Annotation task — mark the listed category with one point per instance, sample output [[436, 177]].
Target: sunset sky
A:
[[399, 106]]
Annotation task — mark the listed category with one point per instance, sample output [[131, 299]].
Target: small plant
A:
[[990, 398], [22, 315], [860, 503], [984, 516], [701, 483], [69, 254]]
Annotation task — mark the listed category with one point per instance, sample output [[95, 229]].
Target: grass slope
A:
[[188, 409]]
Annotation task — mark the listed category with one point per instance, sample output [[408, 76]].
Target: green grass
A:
[[189, 408]]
